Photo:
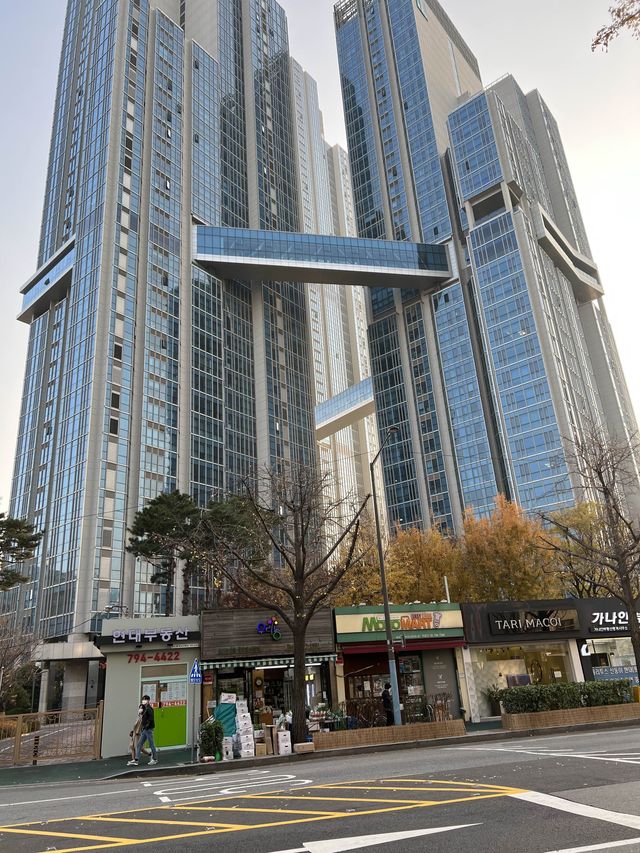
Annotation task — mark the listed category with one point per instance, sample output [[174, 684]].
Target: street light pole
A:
[[393, 675]]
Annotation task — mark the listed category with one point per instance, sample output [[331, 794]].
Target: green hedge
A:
[[554, 697]]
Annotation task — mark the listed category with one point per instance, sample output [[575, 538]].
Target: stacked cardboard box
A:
[[227, 749], [244, 731], [284, 743]]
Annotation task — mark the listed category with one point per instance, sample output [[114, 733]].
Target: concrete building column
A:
[[43, 700], [75, 684], [575, 661], [473, 710]]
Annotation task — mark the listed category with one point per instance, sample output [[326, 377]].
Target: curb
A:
[[485, 737]]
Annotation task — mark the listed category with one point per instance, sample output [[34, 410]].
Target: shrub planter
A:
[[388, 734], [571, 717]]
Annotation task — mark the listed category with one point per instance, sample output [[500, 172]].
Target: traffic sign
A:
[[195, 676]]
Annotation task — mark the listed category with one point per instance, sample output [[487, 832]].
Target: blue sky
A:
[[545, 44]]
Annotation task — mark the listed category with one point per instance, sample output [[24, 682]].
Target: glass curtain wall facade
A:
[[146, 373], [490, 377], [337, 317]]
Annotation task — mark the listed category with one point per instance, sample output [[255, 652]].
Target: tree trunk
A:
[[634, 626], [186, 589], [298, 704], [168, 601]]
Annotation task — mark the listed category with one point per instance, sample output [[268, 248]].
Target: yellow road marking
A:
[[67, 835], [246, 809], [396, 805], [337, 799], [424, 790], [212, 824], [452, 782], [91, 847], [167, 806], [328, 784], [427, 790]]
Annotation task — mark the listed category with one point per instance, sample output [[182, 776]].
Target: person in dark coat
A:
[[134, 735], [387, 704], [147, 725]]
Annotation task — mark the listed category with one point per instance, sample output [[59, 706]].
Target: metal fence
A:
[[369, 712], [50, 736]]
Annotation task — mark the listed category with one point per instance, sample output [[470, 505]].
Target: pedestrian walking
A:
[[387, 704], [134, 735], [147, 725]]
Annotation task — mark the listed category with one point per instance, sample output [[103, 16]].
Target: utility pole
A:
[[393, 675]]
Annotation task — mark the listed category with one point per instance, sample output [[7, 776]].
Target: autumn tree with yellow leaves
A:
[[504, 557]]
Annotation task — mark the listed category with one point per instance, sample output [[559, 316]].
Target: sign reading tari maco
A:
[[413, 621], [229, 634], [533, 621]]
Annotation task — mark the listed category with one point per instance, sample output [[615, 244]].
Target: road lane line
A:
[[423, 790], [259, 811], [609, 845], [153, 808], [63, 799], [394, 805], [619, 818], [556, 754], [16, 831], [330, 799], [454, 782], [90, 847], [212, 824]]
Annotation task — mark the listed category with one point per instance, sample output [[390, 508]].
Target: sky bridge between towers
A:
[[320, 258]]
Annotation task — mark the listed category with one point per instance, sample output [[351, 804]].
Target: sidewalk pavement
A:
[[177, 762]]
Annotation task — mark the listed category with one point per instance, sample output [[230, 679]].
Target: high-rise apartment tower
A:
[[490, 377], [146, 373]]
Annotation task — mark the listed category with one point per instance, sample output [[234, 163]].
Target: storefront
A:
[[250, 653], [517, 643], [427, 639], [150, 656], [605, 645]]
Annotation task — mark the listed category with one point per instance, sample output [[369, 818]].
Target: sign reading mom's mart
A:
[[411, 621]]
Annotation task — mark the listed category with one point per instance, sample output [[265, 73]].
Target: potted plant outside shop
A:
[[211, 736], [492, 695]]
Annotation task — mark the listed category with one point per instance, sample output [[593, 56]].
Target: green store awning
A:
[[259, 663]]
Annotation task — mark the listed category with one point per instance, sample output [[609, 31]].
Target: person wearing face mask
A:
[[147, 725], [134, 734]]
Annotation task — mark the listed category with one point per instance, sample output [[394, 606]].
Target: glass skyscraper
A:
[[490, 377], [337, 314], [186, 148], [146, 373]]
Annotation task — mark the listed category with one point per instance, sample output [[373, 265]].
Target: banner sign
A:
[[533, 621], [424, 621]]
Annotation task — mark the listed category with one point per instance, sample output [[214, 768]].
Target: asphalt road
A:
[[559, 794]]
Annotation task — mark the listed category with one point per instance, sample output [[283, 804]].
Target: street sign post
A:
[[195, 678]]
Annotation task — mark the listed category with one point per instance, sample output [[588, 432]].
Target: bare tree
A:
[[625, 15], [605, 553], [16, 651], [289, 548]]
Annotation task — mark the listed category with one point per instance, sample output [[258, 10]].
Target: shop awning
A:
[[260, 663], [411, 646]]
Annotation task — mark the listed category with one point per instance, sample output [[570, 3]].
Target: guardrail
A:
[[50, 736]]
